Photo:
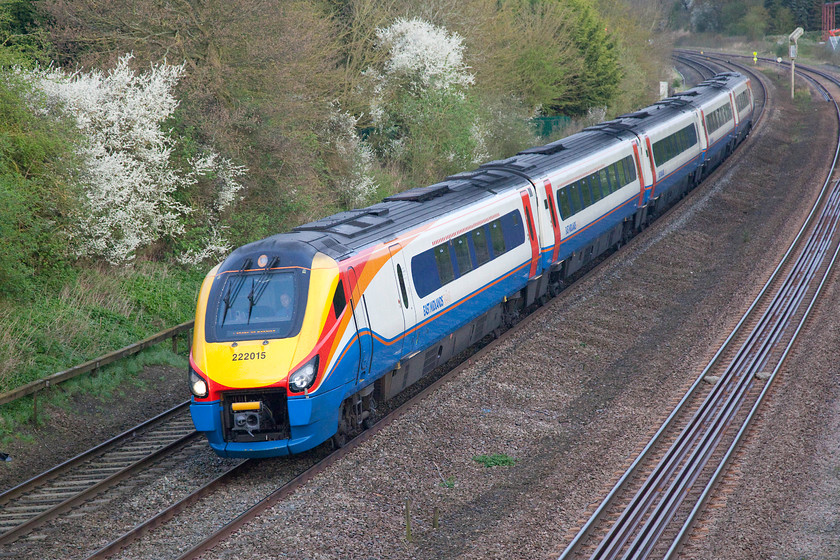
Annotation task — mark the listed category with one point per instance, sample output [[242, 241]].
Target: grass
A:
[[99, 311], [119, 379], [495, 460], [102, 311]]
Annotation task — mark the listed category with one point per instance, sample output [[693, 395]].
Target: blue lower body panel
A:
[[313, 420]]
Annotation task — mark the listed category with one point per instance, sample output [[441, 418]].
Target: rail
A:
[[56, 378]]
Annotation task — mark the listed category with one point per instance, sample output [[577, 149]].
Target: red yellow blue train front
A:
[[265, 331]]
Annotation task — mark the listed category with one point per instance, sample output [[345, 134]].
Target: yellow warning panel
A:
[[240, 406]]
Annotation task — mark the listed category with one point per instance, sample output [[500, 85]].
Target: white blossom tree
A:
[[128, 175], [428, 56], [420, 107]]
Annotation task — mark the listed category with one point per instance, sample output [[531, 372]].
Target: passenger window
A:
[[512, 230], [658, 153], [462, 254], [692, 135], [622, 177], [563, 203], [444, 264], [482, 251], [497, 238], [629, 169], [605, 182], [402, 286], [595, 185], [612, 171], [574, 197], [585, 192], [424, 272]]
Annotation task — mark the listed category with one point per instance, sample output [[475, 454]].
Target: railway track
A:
[[702, 70], [651, 510], [81, 478]]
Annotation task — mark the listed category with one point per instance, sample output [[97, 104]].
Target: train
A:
[[298, 336]]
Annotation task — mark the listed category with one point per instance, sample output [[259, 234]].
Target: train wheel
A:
[[342, 435], [339, 440]]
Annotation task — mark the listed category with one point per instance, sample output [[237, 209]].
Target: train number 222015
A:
[[248, 356]]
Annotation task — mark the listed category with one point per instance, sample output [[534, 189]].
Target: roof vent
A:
[[420, 194], [547, 150]]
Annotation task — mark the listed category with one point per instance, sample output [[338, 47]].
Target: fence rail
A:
[[96, 363]]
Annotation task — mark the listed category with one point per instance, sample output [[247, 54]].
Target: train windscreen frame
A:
[[257, 304]]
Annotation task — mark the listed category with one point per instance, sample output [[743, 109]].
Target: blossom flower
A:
[[429, 56], [128, 174]]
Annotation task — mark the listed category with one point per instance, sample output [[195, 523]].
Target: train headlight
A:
[[198, 385], [304, 377]]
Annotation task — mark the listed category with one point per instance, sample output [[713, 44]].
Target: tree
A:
[[424, 116], [127, 171], [599, 81], [756, 22], [527, 50]]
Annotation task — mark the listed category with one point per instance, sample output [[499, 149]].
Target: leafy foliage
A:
[[423, 56], [37, 192], [127, 174], [100, 310], [601, 75], [752, 18], [23, 39], [424, 117]]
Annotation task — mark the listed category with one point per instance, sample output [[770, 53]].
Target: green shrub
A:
[[38, 195]]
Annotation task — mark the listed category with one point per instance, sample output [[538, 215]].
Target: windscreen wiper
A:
[[230, 298], [262, 284]]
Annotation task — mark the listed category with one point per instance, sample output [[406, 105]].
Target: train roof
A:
[[341, 235]]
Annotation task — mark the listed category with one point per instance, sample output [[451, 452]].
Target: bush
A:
[[425, 118], [38, 196]]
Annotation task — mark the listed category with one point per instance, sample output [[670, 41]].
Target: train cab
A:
[[263, 325]]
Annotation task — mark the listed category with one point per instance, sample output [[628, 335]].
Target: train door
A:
[[735, 115], [362, 319], [640, 172], [405, 341], [554, 218], [528, 203]]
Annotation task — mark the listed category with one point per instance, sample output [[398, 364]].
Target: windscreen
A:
[[251, 305]]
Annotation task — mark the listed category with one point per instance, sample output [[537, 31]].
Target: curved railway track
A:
[[651, 510], [314, 464], [700, 69]]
